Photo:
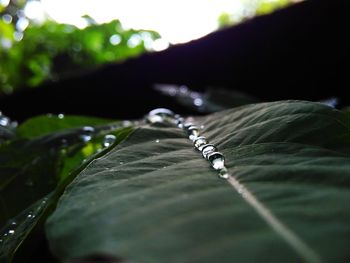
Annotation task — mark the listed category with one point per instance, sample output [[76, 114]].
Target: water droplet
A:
[[199, 142], [121, 162], [13, 223], [155, 119], [160, 115], [208, 148], [11, 232], [187, 125], [217, 160], [157, 141], [14, 124], [85, 138], [198, 102], [183, 89], [0, 240], [87, 133], [108, 140], [224, 173], [60, 116], [88, 129], [201, 127], [30, 215], [179, 121], [192, 132], [4, 121], [127, 123]]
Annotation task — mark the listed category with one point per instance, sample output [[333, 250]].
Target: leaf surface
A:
[[153, 198], [35, 171]]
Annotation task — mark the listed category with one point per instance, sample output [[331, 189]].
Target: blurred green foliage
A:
[[52, 50], [251, 8], [32, 54]]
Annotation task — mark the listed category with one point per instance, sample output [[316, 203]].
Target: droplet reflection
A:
[[108, 140], [216, 160]]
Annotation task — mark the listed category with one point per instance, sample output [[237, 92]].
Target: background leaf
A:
[[45, 124], [40, 168], [154, 199]]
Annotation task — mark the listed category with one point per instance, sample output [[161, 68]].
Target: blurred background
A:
[[52, 39]]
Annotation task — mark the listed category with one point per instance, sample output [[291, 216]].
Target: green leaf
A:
[[153, 198], [34, 172], [45, 124]]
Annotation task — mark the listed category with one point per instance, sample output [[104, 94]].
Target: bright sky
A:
[[176, 20]]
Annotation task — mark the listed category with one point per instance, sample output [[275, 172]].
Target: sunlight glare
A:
[[177, 21]]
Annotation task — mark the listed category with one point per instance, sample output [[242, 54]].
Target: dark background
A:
[[301, 52]]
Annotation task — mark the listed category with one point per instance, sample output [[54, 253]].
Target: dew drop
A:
[[224, 173], [157, 141], [11, 232], [121, 162], [88, 129], [60, 116], [14, 124], [179, 121], [87, 133], [86, 138], [183, 89], [217, 160], [4, 121], [198, 102], [160, 115], [207, 149], [199, 142], [192, 132], [108, 140], [187, 125], [155, 119], [127, 123]]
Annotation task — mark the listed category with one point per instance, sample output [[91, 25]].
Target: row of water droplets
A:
[[87, 133], [17, 227], [209, 151]]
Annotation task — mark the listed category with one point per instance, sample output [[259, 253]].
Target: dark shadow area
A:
[[301, 52]]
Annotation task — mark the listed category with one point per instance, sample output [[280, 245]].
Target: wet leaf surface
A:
[[153, 198], [34, 172]]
